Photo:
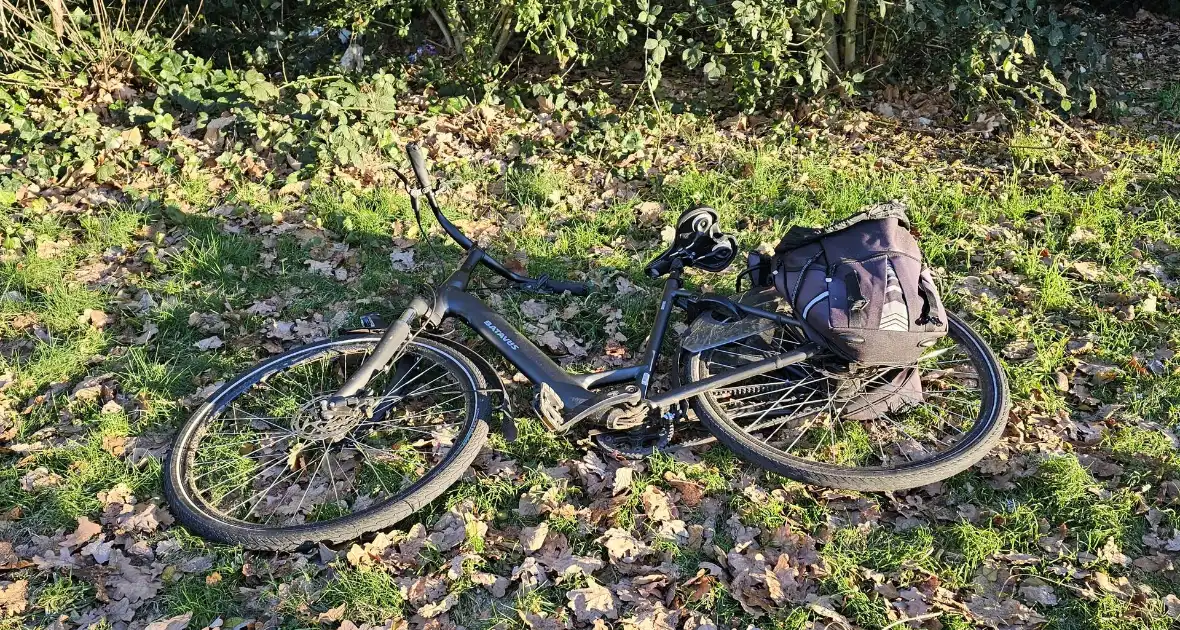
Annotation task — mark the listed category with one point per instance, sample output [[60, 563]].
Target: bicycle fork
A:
[[391, 343]]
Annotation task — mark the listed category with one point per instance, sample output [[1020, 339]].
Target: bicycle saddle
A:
[[699, 243]]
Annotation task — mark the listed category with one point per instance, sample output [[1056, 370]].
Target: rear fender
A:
[[707, 331]]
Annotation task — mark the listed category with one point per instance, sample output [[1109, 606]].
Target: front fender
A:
[[495, 385]]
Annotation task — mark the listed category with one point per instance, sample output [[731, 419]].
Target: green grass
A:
[[193, 594], [366, 594], [1020, 235]]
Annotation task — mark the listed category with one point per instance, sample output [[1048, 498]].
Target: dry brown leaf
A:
[[649, 212], [39, 478], [1089, 271], [209, 343], [691, 492], [179, 622], [621, 546], [430, 611], [14, 597], [531, 538], [623, 477], [593, 602], [1038, 594], [83, 533], [657, 504], [331, 615], [96, 319]]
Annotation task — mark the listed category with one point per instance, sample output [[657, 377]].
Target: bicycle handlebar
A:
[[419, 165], [543, 284], [546, 285]]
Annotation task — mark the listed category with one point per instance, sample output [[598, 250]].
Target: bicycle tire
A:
[[198, 518], [973, 447]]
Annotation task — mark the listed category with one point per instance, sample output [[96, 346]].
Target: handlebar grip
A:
[[419, 165], [561, 286]]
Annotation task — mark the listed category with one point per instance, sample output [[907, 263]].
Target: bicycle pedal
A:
[[372, 320]]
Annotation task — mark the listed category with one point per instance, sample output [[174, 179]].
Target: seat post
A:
[[655, 339]]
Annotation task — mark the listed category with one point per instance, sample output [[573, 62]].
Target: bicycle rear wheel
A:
[[871, 428], [257, 466]]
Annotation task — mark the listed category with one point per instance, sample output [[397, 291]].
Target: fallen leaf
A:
[[1038, 594], [179, 622], [14, 597], [96, 319], [657, 504], [649, 212], [209, 343], [38, 479], [593, 602], [83, 533], [691, 493], [332, 614], [621, 546], [402, 260], [1089, 271], [531, 538]]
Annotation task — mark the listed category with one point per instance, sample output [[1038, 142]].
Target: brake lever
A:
[[537, 285]]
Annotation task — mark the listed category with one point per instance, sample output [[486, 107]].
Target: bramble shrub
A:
[[761, 51]]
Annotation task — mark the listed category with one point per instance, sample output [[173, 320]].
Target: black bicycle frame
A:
[[569, 392], [574, 390]]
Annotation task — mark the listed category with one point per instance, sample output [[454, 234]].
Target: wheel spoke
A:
[[422, 407], [855, 416]]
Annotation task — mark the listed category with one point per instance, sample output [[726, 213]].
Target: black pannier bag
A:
[[861, 289]]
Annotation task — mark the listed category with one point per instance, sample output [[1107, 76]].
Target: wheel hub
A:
[[315, 422]]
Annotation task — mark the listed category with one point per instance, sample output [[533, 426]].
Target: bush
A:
[[765, 50], [761, 52], [1014, 49]]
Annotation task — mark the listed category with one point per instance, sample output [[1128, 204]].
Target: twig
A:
[[1069, 128], [442, 26]]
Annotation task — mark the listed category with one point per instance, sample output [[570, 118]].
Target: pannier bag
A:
[[860, 287]]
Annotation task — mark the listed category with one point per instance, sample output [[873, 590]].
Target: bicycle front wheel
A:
[[257, 466], [826, 423]]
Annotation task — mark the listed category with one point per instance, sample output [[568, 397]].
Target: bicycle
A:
[[351, 435]]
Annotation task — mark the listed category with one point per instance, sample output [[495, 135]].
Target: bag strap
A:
[[927, 319], [857, 304]]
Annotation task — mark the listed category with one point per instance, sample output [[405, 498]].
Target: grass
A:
[[366, 594], [1020, 239]]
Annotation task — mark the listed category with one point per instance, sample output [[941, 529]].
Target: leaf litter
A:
[[606, 544]]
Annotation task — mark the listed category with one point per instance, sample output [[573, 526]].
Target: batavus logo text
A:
[[499, 333]]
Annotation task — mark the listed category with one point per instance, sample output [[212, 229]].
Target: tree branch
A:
[[442, 26], [851, 7]]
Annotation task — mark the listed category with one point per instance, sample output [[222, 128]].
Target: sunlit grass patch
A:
[[216, 259], [1071, 497], [62, 594], [880, 549], [85, 469], [367, 594], [206, 601], [536, 187], [362, 217]]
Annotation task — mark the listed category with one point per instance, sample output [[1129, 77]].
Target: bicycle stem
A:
[[418, 164]]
